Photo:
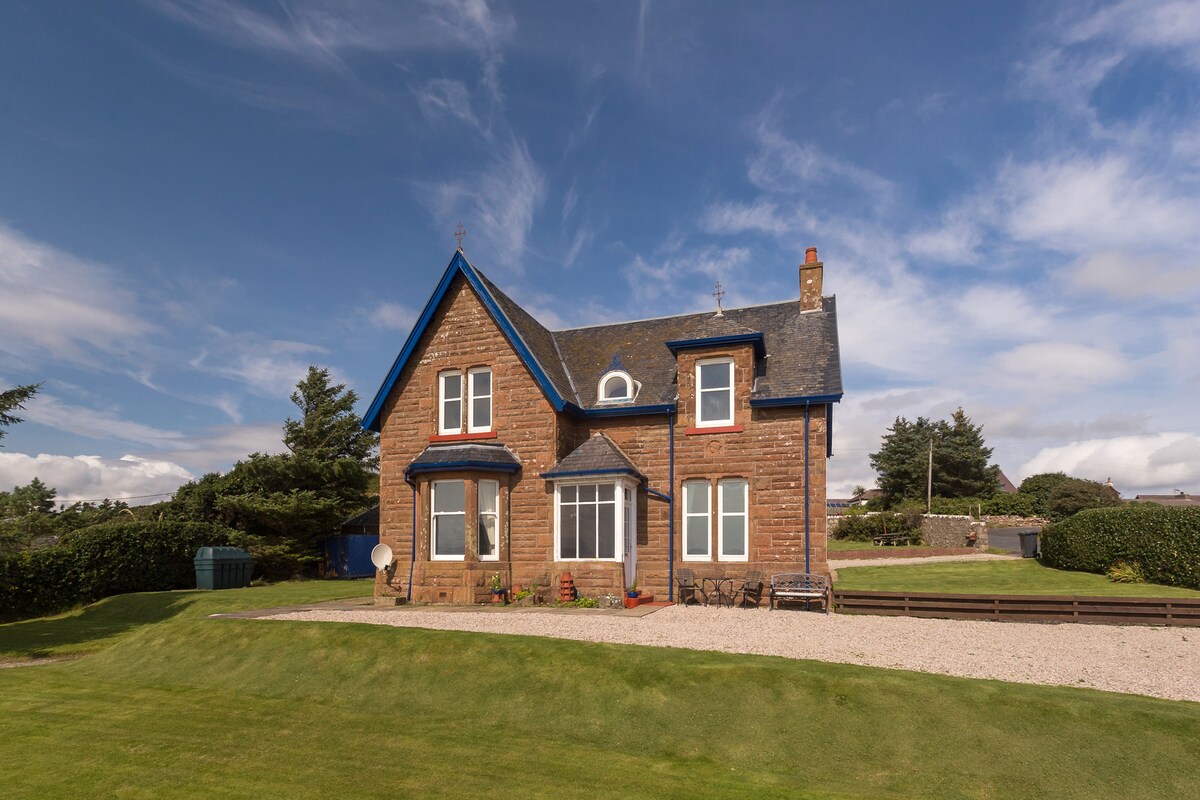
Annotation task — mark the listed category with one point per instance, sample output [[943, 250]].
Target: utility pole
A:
[[929, 482]]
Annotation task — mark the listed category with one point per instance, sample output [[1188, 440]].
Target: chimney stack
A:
[[810, 281]]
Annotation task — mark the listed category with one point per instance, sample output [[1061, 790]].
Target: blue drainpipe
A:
[[807, 491], [413, 561], [671, 522]]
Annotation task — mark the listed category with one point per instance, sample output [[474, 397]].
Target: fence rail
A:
[[1182, 611]]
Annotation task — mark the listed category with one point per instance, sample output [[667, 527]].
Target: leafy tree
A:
[[282, 506], [328, 428], [13, 400], [26, 513], [1040, 488], [960, 459], [1077, 494]]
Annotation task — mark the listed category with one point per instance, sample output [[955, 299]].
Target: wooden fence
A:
[[1023, 608]]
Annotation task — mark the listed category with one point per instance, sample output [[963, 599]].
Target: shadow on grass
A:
[[87, 629]]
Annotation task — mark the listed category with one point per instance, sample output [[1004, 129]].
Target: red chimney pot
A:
[[810, 255]]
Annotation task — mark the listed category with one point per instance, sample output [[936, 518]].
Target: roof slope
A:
[[598, 455], [800, 359]]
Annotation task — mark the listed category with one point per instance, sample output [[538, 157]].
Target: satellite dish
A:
[[381, 556]]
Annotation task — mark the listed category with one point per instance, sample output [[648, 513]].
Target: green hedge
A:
[[1004, 504], [863, 528], [1163, 542], [102, 560]]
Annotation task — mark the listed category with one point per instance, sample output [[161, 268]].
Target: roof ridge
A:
[[673, 316]]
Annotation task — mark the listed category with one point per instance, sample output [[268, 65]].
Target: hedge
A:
[[1162, 541], [102, 560], [865, 527]]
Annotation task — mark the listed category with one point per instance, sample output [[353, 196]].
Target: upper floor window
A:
[[478, 400], [616, 386], [714, 392], [480, 410], [450, 386]]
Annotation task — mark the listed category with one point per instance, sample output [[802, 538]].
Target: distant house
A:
[[365, 523], [1178, 499], [615, 452], [1006, 486]]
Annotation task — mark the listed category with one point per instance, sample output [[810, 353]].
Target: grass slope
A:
[[175, 705], [1026, 576]]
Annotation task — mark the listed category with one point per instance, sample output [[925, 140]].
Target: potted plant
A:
[[497, 589], [632, 591]]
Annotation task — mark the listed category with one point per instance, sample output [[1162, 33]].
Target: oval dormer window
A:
[[616, 386]]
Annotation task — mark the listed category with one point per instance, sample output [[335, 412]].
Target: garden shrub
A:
[[863, 528], [1161, 542], [102, 560]]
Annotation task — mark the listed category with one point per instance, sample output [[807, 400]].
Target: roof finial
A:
[[459, 234], [719, 293]]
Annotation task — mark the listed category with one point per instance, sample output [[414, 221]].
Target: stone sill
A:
[[463, 437], [721, 429]]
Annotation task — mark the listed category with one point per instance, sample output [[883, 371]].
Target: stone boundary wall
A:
[[946, 530], [1006, 521]]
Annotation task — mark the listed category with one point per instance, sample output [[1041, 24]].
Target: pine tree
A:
[[960, 460], [328, 428], [13, 400]]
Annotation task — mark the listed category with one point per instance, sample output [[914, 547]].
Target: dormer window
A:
[[616, 386], [714, 392]]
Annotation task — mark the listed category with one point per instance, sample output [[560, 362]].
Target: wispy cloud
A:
[[267, 367], [389, 316], [54, 304], [95, 478], [445, 98]]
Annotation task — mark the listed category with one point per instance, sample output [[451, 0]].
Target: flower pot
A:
[[498, 597]]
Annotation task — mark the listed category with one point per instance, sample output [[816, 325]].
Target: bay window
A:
[[489, 519], [448, 523], [589, 523]]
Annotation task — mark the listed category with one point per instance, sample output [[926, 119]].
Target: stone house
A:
[[614, 452]]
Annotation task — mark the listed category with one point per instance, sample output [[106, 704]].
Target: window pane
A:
[[615, 387], [481, 412], [587, 531], [450, 535], [733, 535], [452, 414], [481, 383], [487, 535], [488, 492], [587, 493], [450, 496], [566, 531], [567, 494], [605, 492], [697, 536], [733, 497], [696, 497], [714, 406], [607, 530], [714, 376], [452, 386]]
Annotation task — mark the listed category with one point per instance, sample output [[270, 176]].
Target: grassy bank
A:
[[1025, 576], [176, 705]]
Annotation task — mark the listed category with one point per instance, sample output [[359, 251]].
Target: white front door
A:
[[630, 526]]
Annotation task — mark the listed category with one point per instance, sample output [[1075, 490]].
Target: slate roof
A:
[[797, 360], [367, 521], [1180, 499], [597, 455], [442, 457]]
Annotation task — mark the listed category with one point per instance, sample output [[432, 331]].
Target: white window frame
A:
[[745, 514], [434, 514], [472, 397], [713, 423], [621, 524], [688, 487], [631, 387], [443, 428], [495, 515]]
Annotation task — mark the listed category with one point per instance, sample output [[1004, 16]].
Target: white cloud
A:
[[1145, 464], [442, 97], [95, 478], [500, 203], [1054, 367], [53, 304], [583, 238], [269, 367], [389, 316], [1124, 276], [997, 311], [734, 218], [48, 410], [671, 275], [955, 241]]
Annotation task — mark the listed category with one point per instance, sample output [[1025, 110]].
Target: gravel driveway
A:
[[1159, 662]]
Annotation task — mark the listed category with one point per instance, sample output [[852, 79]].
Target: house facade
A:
[[615, 452]]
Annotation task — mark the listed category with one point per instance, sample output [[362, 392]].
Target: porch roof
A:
[[448, 457], [599, 455]]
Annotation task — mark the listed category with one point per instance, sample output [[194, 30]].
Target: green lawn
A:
[[1025, 576], [174, 705], [850, 544]]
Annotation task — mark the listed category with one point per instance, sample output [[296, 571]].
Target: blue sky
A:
[[199, 198]]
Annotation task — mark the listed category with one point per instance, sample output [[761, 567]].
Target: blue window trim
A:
[[755, 339], [583, 473]]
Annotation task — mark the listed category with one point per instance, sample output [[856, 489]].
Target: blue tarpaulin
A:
[[349, 555]]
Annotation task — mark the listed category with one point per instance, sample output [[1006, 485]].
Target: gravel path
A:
[[1159, 662]]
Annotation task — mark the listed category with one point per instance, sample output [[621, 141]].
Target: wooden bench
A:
[[891, 538], [800, 586]]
